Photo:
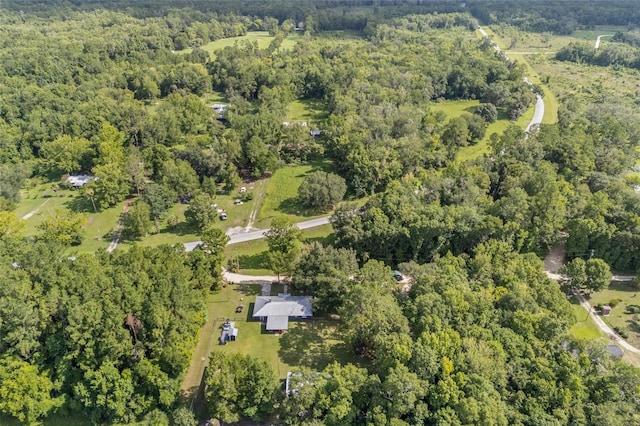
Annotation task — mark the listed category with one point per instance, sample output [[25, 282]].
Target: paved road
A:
[[538, 112], [599, 37], [241, 237]]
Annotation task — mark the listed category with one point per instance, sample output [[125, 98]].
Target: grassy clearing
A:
[[310, 110], [599, 30], [457, 108], [584, 328], [308, 343], [40, 202], [251, 255], [627, 297], [261, 37], [281, 197], [238, 216]]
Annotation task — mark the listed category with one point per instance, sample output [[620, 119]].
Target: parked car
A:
[[397, 275]]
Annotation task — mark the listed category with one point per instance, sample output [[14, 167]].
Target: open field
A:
[[584, 328], [457, 108], [251, 255], [309, 110], [261, 37], [628, 298], [40, 202], [281, 197]]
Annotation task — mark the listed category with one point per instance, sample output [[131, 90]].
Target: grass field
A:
[[251, 255], [281, 197], [584, 328], [40, 202], [457, 108], [309, 110], [261, 37], [627, 296]]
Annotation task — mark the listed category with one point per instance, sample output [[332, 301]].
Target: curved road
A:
[[599, 37], [538, 112]]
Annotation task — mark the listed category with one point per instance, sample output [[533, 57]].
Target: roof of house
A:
[[615, 350], [278, 322], [79, 180], [284, 305]]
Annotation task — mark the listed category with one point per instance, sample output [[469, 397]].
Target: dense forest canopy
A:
[[123, 91]]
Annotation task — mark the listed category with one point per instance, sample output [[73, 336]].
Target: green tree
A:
[[321, 190], [12, 177], [324, 273], [137, 222], [10, 225], [63, 226], [283, 235], [201, 213], [25, 393], [487, 111], [598, 275], [214, 241], [576, 272], [110, 185], [67, 154], [183, 417], [239, 386], [160, 199]]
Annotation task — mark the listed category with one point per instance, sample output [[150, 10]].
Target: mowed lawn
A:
[[261, 37], [584, 328], [311, 343], [309, 110], [281, 197], [40, 202], [627, 296]]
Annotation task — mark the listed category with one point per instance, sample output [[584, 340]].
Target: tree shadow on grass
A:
[[292, 205], [253, 261], [248, 289], [305, 345], [79, 204], [471, 109], [622, 286], [182, 228]]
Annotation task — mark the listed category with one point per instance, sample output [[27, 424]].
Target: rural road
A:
[[599, 37], [241, 237], [553, 262], [538, 112]]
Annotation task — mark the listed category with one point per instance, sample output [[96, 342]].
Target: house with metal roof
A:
[[276, 310]]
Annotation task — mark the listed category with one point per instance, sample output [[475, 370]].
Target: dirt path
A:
[[119, 226], [552, 264], [32, 212], [600, 37]]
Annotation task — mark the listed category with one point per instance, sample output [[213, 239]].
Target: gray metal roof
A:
[[290, 306], [615, 350], [277, 322]]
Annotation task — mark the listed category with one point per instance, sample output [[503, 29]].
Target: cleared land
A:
[[622, 315], [281, 197], [309, 343], [457, 108], [309, 110], [41, 201]]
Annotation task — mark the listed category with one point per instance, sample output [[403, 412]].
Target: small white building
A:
[[78, 181]]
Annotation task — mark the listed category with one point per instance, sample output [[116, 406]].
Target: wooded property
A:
[[372, 156]]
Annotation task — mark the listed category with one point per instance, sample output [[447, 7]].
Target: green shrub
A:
[[622, 332], [614, 302]]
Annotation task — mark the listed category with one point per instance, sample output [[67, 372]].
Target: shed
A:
[[606, 310]]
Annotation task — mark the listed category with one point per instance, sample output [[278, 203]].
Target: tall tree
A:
[[321, 190]]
